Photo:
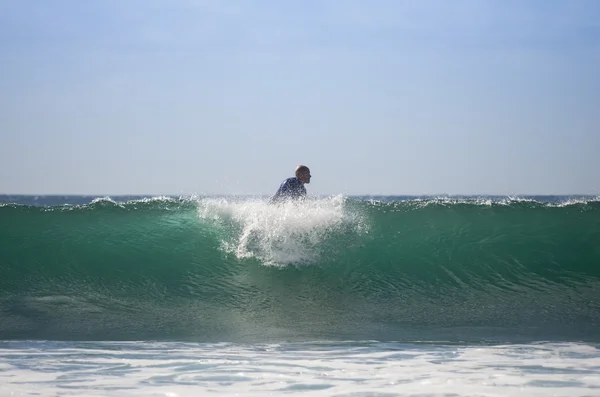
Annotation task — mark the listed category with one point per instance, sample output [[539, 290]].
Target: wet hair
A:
[[301, 169]]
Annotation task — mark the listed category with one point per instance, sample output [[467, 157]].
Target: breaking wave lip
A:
[[132, 202], [279, 235], [482, 201]]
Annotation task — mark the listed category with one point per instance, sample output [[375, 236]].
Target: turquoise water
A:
[[241, 270], [497, 296]]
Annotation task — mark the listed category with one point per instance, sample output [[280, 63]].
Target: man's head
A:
[[303, 174]]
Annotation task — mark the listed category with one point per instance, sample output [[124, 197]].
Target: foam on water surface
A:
[[283, 234], [342, 369]]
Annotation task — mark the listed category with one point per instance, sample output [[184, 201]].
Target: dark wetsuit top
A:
[[291, 188]]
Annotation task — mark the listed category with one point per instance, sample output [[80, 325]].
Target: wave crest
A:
[[281, 234]]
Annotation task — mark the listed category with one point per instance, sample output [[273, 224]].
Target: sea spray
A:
[[282, 234]]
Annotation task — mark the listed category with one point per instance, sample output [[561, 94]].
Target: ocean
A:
[[337, 296]]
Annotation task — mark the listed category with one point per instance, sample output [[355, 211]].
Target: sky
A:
[[228, 97]]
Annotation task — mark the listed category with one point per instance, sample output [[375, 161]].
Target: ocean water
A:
[[339, 296]]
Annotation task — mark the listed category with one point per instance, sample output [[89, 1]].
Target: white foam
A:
[[307, 369], [279, 234]]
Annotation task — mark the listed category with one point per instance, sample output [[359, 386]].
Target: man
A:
[[293, 188]]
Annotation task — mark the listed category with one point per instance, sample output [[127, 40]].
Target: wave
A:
[[337, 268]]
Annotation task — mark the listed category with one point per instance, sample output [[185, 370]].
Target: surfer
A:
[[293, 188]]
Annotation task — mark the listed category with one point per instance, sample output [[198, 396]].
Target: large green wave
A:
[[336, 268]]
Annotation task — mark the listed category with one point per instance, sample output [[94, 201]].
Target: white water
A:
[[289, 233], [308, 369]]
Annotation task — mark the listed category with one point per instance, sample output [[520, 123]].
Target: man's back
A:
[[291, 188]]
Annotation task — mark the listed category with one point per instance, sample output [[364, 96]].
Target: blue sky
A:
[[227, 97]]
